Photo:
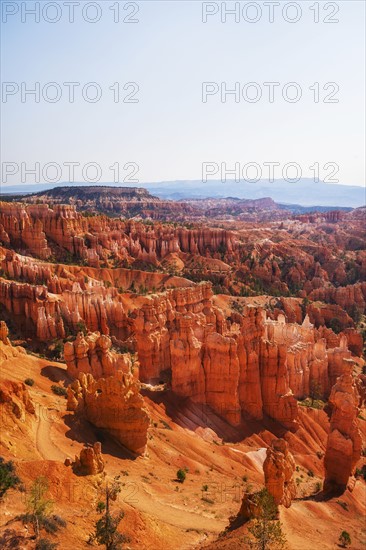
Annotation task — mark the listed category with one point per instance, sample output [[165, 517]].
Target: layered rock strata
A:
[[114, 404], [90, 462], [279, 468], [344, 440]]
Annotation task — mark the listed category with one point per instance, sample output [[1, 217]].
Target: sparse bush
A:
[[166, 425], [29, 381], [100, 507], [38, 508], [59, 390], [266, 531], [335, 325], [344, 539], [310, 473], [208, 500], [315, 392], [80, 327], [181, 475], [106, 532], [237, 306], [205, 488], [45, 544], [343, 504], [57, 350], [8, 477], [51, 524]]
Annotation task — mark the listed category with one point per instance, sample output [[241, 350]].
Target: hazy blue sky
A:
[[169, 53]]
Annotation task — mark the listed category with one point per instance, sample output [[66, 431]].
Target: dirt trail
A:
[[178, 517], [44, 444]]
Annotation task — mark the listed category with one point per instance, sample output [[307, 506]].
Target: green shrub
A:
[[39, 508], [181, 475], [8, 477], [265, 530], [335, 325], [344, 539], [208, 500], [45, 544], [80, 327], [57, 350], [59, 390], [100, 507], [29, 381]]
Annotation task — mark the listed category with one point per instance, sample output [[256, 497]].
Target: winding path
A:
[[44, 444]]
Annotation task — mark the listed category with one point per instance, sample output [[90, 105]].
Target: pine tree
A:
[[38, 506], [266, 531], [106, 527]]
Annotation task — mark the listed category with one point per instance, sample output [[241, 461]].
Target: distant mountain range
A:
[[305, 192]]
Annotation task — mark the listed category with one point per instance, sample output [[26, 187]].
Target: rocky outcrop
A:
[[250, 507], [34, 305], [346, 297], [324, 314], [4, 332], [344, 440], [90, 462], [278, 400], [279, 468], [93, 354], [15, 399], [115, 404], [7, 350]]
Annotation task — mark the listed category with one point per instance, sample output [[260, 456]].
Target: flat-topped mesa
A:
[[344, 440], [89, 192], [279, 468], [93, 354], [114, 404]]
